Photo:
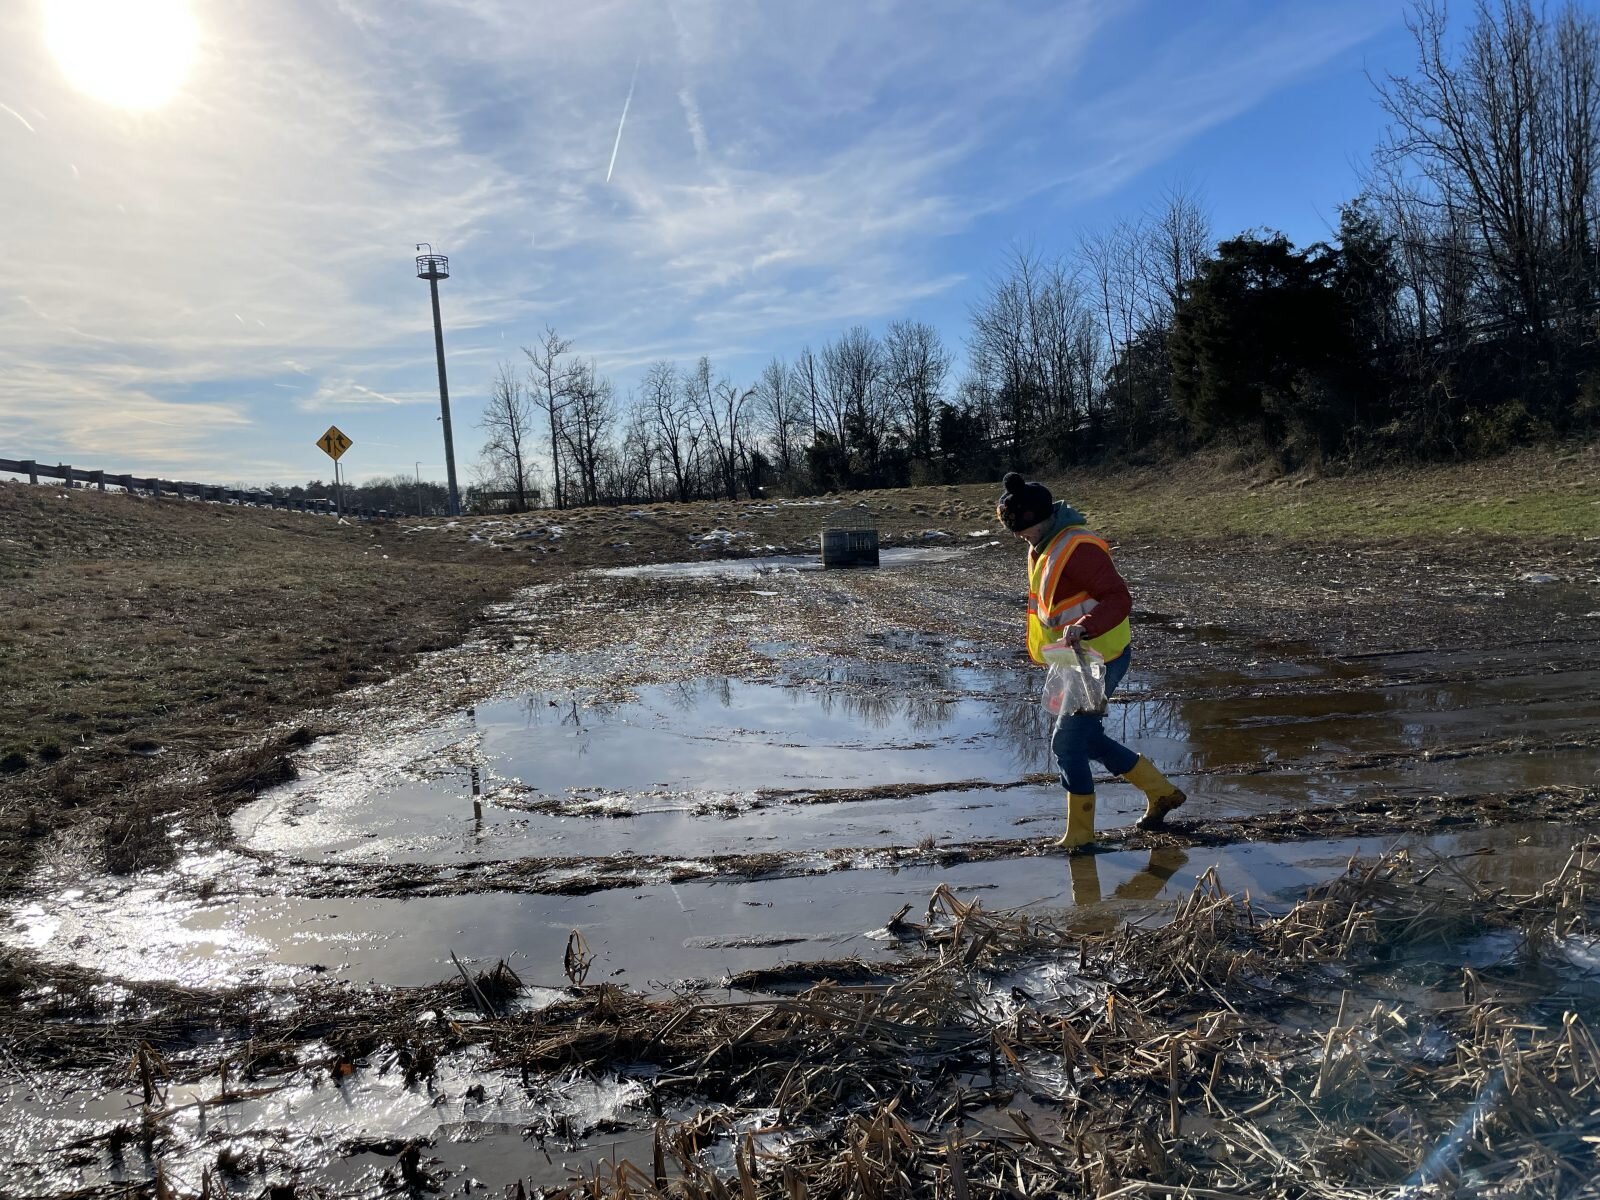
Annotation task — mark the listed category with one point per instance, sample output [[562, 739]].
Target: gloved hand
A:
[[1072, 635]]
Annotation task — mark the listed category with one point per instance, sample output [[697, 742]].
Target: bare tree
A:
[[1063, 351], [1507, 133], [638, 454], [1178, 234], [672, 422], [854, 398], [508, 420], [722, 409], [916, 366], [587, 431], [490, 477], [550, 375], [781, 410], [1033, 355], [1117, 264], [1436, 254], [999, 351], [806, 379]]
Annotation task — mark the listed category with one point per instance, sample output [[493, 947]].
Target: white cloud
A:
[[68, 419], [179, 277]]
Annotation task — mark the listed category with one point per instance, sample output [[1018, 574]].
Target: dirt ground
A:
[[268, 774]]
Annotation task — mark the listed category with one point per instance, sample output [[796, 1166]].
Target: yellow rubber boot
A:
[[1161, 795], [1080, 822]]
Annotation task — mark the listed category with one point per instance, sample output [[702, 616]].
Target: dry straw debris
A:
[[1333, 1049], [1224, 1053]]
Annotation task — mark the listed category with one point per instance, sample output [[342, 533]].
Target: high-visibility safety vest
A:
[[1046, 621]]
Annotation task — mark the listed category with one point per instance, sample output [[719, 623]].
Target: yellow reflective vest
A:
[[1049, 614]]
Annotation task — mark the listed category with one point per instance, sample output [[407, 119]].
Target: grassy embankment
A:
[[151, 641], [1535, 493]]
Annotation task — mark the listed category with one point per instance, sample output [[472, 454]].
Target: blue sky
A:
[[200, 288]]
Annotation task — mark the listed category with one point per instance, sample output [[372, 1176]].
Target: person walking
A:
[[1075, 595]]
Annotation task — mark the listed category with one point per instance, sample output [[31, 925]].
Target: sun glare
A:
[[130, 53]]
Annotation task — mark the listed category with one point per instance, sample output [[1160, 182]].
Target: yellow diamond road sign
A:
[[334, 443]]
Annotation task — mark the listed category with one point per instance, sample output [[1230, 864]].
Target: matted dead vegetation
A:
[[1334, 1050], [1224, 1053]]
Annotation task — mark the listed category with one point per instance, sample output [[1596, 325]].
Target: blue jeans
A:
[[1083, 737]]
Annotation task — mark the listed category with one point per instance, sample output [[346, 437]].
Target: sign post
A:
[[334, 443]]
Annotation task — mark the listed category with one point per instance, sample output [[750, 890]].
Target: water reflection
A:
[[846, 726], [1185, 731], [920, 709], [921, 696], [978, 722], [1146, 884], [687, 695], [720, 745], [475, 782]]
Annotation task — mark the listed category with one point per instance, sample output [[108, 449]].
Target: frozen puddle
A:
[[653, 935]]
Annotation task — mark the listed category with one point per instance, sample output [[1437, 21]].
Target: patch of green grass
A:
[[1530, 494]]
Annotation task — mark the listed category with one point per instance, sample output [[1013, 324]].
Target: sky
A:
[[198, 285]]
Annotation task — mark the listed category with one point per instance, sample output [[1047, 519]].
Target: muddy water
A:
[[1245, 731], [651, 936], [728, 735], [799, 765], [711, 767], [443, 821], [820, 760], [383, 826], [480, 1124]]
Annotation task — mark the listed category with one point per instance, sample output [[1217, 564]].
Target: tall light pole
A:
[[434, 267], [419, 489]]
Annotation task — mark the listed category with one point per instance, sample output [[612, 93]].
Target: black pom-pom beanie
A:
[[1022, 505]]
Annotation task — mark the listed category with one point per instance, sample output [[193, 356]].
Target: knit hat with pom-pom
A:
[[1022, 505]]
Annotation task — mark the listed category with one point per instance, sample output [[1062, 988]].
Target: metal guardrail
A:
[[151, 486]]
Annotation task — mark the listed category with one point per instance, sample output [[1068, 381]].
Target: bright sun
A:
[[131, 53]]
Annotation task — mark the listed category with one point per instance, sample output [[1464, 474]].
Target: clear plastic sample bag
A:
[[1074, 683]]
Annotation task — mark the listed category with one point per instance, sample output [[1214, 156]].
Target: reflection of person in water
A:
[[1164, 863], [1075, 595]]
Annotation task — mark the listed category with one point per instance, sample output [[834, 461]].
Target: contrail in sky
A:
[[617, 145], [31, 129]]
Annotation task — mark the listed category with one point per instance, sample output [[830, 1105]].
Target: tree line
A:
[[399, 495], [1452, 312]]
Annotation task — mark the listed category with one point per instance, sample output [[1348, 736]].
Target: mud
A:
[[757, 791], [1017, 1018]]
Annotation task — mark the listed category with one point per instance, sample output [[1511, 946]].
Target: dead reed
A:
[[1226, 1051]]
